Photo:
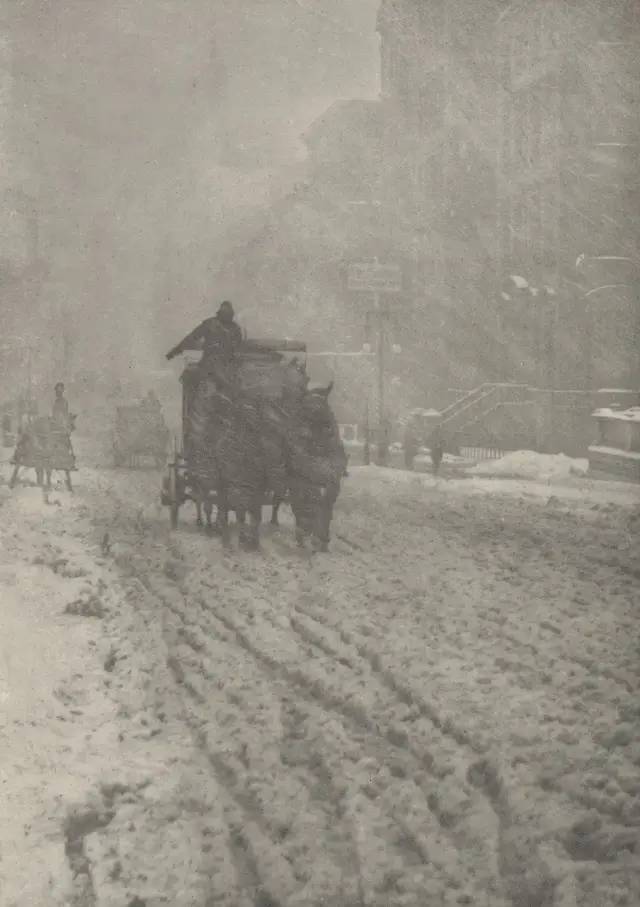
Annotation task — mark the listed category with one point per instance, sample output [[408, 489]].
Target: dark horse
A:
[[317, 463], [294, 389]]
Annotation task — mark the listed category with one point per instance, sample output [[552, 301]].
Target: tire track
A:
[[389, 744], [384, 750], [520, 866], [329, 651], [264, 878], [230, 772]]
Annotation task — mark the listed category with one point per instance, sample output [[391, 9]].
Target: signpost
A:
[[375, 278], [365, 353], [372, 277]]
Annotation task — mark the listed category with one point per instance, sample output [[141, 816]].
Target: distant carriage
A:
[[140, 434], [261, 376]]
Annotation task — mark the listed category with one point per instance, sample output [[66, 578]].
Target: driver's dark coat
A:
[[220, 343]]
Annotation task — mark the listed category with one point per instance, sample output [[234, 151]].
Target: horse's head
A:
[[315, 405]]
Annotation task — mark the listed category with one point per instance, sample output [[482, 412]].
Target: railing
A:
[[476, 405], [449, 411], [482, 453]]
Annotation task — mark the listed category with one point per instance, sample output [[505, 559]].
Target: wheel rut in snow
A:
[[362, 722], [394, 785]]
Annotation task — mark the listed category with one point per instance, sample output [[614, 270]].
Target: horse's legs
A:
[[256, 520], [14, 476], [208, 510], [219, 523], [222, 520], [322, 520], [275, 507], [241, 519]]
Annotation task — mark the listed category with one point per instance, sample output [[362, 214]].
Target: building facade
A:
[[502, 145], [511, 124], [22, 269]]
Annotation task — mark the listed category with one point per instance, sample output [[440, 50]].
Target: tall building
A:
[[438, 79], [503, 145], [512, 122], [21, 268]]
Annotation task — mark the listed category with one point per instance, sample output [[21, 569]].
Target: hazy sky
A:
[[156, 123], [127, 86]]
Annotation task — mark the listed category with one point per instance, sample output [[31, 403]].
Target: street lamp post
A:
[[375, 278], [382, 446]]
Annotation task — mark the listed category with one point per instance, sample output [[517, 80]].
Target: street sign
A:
[[372, 277]]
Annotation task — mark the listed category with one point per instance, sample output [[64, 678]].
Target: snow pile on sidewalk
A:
[[528, 464], [625, 415]]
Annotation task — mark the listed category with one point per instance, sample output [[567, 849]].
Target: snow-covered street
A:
[[443, 710]]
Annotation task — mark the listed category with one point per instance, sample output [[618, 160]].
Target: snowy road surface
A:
[[442, 711]]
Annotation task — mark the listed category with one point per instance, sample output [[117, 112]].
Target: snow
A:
[[628, 415], [615, 452], [528, 464], [441, 710], [573, 490], [519, 282]]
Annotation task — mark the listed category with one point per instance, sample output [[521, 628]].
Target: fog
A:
[[159, 156], [146, 136]]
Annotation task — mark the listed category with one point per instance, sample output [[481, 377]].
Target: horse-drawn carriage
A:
[[44, 444], [254, 442], [140, 432], [261, 376]]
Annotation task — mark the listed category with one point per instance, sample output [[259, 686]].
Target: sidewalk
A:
[[57, 726]]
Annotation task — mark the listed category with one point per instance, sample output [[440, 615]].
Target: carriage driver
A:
[[220, 337]]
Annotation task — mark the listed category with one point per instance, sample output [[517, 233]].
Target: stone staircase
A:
[[473, 408]]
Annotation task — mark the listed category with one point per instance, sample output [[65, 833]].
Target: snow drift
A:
[[527, 464]]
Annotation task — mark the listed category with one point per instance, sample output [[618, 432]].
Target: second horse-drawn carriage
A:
[[140, 433]]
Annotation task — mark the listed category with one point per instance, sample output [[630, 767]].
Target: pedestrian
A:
[[60, 409], [436, 452]]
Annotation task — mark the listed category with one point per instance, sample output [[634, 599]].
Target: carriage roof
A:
[[261, 364], [260, 350], [274, 346]]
